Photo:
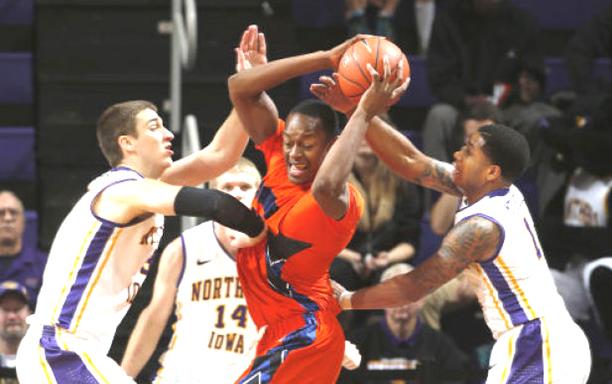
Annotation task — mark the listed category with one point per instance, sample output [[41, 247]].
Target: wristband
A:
[[345, 300]]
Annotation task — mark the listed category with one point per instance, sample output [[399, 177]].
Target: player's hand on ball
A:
[[352, 357], [335, 54], [383, 89], [329, 92]]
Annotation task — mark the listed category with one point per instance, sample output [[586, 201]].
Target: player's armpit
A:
[[437, 175]]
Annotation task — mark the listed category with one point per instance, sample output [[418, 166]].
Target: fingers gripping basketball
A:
[[354, 78]]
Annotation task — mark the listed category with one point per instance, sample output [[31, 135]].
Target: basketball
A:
[[354, 77]]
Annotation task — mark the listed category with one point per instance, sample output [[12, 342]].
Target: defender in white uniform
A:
[[493, 237], [213, 333], [97, 260]]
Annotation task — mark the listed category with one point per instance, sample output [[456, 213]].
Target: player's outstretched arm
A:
[[403, 158], [153, 318], [231, 139], [123, 202], [221, 154], [329, 186], [473, 239]]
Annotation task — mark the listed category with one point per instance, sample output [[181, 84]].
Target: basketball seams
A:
[[358, 65], [352, 82]]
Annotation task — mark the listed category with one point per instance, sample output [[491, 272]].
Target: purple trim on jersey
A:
[[528, 364], [535, 243], [504, 293], [90, 261], [502, 234], [498, 192], [67, 367], [184, 248], [124, 168], [265, 366]]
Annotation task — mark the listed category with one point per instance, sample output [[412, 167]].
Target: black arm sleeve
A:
[[217, 206]]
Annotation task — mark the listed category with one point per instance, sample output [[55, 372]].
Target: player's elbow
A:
[[237, 88]]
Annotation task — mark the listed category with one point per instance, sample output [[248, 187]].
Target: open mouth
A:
[[297, 170]]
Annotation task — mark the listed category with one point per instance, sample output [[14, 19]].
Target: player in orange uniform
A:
[[311, 212]]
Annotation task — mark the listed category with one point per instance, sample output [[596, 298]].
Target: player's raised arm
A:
[[153, 318], [248, 88], [473, 239], [329, 186], [126, 201], [231, 138]]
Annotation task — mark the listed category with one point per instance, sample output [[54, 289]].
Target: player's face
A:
[[13, 312], [12, 222], [471, 164], [154, 142], [242, 185], [305, 145]]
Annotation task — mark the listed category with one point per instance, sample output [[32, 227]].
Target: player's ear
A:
[[494, 172], [126, 142]]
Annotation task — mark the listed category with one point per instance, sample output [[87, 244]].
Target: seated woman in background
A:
[[389, 228]]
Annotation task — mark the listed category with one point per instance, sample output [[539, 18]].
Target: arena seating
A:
[[16, 77], [17, 145]]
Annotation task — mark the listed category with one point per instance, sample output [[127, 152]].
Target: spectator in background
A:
[[13, 312], [590, 42], [19, 261], [388, 230], [413, 25], [357, 18], [476, 51], [402, 341]]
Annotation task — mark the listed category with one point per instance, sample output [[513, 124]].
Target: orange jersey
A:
[[286, 278]]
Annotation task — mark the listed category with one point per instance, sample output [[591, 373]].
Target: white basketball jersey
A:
[[586, 200], [95, 267], [213, 333], [515, 285]]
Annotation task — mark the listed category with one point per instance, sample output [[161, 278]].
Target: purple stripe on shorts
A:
[[67, 367], [528, 364], [92, 256], [508, 298]]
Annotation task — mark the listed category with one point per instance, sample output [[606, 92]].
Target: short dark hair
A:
[[507, 148], [117, 120], [319, 110]]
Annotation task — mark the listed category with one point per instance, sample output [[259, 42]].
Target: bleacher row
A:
[[17, 143]]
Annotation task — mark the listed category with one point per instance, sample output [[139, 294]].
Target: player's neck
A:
[[138, 166], [474, 196], [223, 235]]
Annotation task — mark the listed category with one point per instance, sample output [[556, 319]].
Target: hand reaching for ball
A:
[[383, 90]]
